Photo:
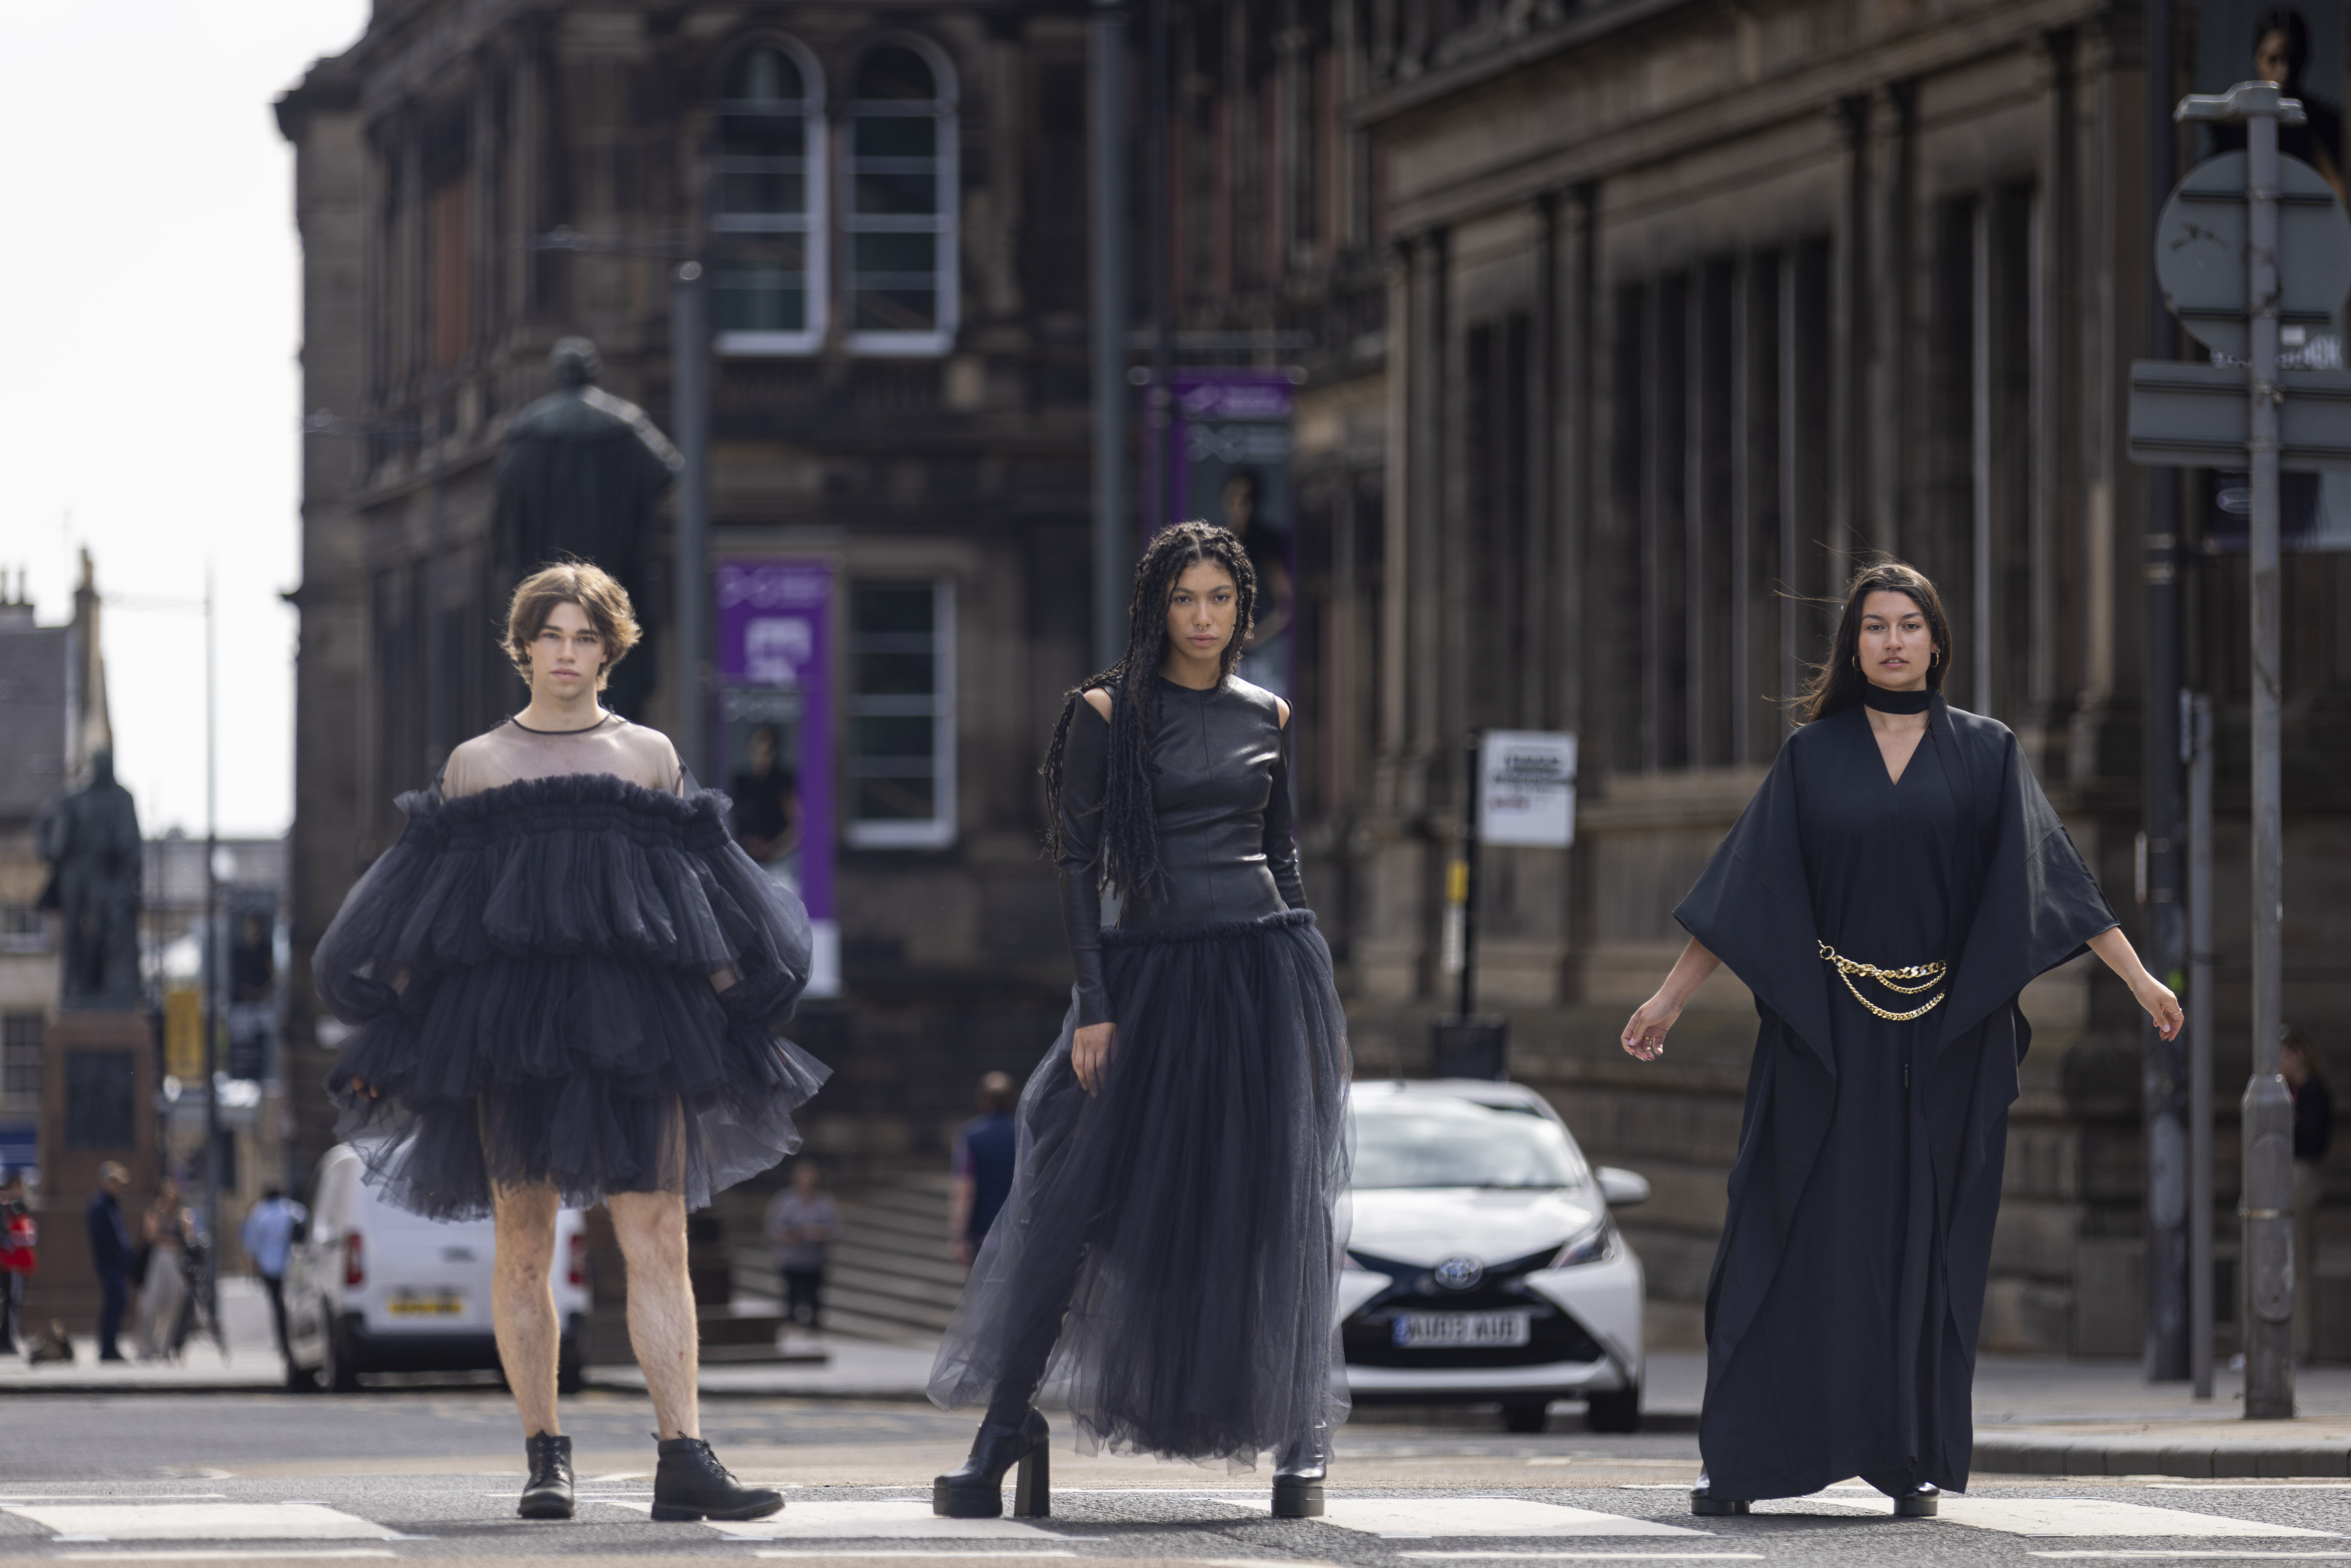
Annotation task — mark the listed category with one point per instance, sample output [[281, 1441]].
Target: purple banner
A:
[[774, 732]]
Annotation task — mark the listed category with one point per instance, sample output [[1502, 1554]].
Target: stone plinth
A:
[[98, 1103]]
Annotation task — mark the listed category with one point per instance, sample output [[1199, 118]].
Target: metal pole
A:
[[2196, 742], [212, 959], [1158, 460], [1470, 879], [2267, 1206], [1114, 539], [2163, 1063], [689, 350]]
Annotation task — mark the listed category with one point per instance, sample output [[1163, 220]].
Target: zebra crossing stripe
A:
[[201, 1521]]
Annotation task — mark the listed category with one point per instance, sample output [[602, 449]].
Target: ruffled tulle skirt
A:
[[535, 974], [1167, 1261]]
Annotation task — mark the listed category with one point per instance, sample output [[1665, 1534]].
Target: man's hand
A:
[[1090, 1054]]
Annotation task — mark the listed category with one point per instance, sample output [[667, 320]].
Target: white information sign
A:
[[1527, 788]]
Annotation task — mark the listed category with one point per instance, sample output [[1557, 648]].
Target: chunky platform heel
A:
[[1706, 1505], [976, 1491], [1921, 1501], [1298, 1474]]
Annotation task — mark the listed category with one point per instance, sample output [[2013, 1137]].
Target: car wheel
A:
[[570, 1375], [1525, 1415], [1616, 1412], [300, 1379], [337, 1373]]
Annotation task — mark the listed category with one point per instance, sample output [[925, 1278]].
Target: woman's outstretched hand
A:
[[1090, 1054], [1645, 1032], [361, 1086]]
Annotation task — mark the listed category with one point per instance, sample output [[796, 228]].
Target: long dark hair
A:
[[1837, 684], [1129, 858]]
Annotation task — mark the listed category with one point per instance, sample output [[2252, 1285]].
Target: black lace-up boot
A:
[[547, 1493], [1298, 1474], [976, 1491], [690, 1483]]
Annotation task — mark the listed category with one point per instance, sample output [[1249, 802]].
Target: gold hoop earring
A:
[[1934, 658]]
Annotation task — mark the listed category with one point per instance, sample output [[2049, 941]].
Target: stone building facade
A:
[[1621, 331]]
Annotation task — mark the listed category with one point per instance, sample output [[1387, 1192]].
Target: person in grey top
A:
[[803, 1222]]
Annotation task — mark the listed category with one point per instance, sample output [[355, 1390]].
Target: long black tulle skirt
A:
[[530, 975], [1190, 1221]]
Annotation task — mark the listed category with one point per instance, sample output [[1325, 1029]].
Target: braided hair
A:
[[1129, 855]]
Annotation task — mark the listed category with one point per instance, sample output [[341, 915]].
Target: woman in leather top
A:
[[1169, 1252]]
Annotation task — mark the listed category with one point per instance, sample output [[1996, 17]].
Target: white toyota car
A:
[[1484, 1265], [376, 1289]]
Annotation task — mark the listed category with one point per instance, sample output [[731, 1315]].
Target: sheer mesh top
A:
[[511, 753]]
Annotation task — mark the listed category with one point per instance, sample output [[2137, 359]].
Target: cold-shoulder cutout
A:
[[1099, 700], [1282, 706]]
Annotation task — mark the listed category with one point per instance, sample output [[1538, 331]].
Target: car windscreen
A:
[[1459, 1143]]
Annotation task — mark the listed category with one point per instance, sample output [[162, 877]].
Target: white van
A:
[[376, 1289]]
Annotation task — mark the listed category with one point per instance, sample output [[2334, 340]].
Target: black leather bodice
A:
[[1222, 794]]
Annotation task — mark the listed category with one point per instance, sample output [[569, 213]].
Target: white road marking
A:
[[923, 1556], [1583, 1556], [2046, 1515], [16, 1499], [1419, 1517], [891, 1519], [202, 1521], [241, 1554]]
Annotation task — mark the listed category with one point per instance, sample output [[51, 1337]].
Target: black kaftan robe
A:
[[1846, 1294]]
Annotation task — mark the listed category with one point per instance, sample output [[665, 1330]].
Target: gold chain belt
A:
[[1929, 976]]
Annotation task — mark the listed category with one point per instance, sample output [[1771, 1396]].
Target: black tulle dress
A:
[[1167, 1259], [566, 972]]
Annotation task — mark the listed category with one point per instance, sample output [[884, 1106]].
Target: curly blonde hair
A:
[[597, 593]]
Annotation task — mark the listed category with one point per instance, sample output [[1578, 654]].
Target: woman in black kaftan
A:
[[1895, 884]]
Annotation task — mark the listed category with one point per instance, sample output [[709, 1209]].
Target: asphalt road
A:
[[430, 1474]]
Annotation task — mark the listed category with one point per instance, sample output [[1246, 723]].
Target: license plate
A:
[[441, 1306], [1435, 1331]]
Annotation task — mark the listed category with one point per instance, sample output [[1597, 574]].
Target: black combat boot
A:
[[1703, 1500], [976, 1491], [690, 1483], [547, 1493], [1298, 1474]]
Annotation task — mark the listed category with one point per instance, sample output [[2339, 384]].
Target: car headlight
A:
[[1595, 1245]]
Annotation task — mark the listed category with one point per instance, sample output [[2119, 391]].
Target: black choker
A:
[[1884, 701]]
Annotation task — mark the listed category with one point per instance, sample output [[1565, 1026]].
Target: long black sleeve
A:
[[1085, 759], [1281, 838]]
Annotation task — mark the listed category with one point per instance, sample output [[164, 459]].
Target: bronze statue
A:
[[90, 840], [580, 475]]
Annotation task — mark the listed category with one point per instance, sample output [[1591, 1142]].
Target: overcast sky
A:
[[147, 389]]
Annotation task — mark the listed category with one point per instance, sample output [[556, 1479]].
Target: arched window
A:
[[901, 208], [768, 294]]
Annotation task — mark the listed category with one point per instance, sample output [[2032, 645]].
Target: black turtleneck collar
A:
[[1884, 701]]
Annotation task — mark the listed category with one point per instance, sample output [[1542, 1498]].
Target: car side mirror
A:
[[1622, 1188]]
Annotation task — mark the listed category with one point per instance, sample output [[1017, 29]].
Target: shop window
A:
[[902, 714], [900, 221], [767, 293]]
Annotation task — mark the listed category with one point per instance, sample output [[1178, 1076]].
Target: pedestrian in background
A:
[[164, 1290], [111, 1254], [803, 1222], [2313, 1128], [985, 1147], [268, 1236], [17, 1237]]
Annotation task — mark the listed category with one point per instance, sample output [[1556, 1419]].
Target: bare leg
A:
[[522, 1301], [651, 1227]]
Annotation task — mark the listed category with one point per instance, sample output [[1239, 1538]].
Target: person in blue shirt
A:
[[984, 1150], [111, 1254], [268, 1236]]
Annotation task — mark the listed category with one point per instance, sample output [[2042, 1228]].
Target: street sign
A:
[[2195, 416], [2200, 254], [1527, 788]]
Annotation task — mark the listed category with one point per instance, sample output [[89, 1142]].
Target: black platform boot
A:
[[1705, 1504], [1922, 1500], [690, 1483], [976, 1491], [547, 1493], [1298, 1474]]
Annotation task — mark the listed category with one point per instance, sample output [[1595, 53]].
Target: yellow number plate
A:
[[426, 1307]]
